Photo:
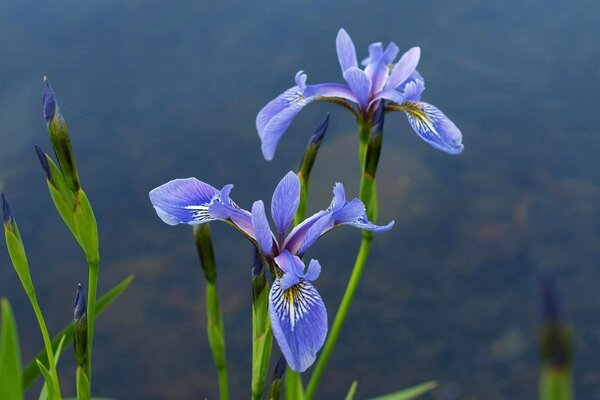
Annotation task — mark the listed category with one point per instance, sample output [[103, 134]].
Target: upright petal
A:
[[434, 127], [360, 84], [299, 322], [345, 50], [285, 203], [404, 68], [183, 201], [378, 69], [262, 231]]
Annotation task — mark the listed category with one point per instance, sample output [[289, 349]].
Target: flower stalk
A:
[[262, 336], [370, 136], [18, 256], [72, 204], [214, 325]]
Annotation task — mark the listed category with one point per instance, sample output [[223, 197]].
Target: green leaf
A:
[[352, 391], [85, 225], [93, 398], [409, 393], [50, 394], [57, 353], [83, 385], [10, 356], [31, 371]]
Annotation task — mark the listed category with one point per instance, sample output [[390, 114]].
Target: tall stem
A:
[[47, 341], [91, 316], [367, 194], [215, 327]]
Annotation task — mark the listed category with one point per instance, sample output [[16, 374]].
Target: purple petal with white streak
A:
[[299, 322], [435, 128], [183, 201]]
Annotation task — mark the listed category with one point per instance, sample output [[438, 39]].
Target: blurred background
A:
[[154, 90]]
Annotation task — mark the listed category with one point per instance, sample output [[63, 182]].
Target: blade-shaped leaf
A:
[[44, 391], [50, 394], [352, 391], [31, 371], [410, 393], [10, 356]]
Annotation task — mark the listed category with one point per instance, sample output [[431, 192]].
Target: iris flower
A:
[[297, 313], [398, 85]]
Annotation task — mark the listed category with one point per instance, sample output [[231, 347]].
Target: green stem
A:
[[47, 341], [367, 194], [91, 316], [214, 326], [340, 317], [216, 337], [300, 213]]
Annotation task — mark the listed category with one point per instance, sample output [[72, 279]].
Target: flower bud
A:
[[16, 249], [312, 148], [80, 327], [59, 136]]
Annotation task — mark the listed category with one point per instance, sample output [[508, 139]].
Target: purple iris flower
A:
[[297, 313], [399, 85]]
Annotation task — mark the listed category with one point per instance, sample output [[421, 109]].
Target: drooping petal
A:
[[299, 322], [276, 116], [183, 201], [364, 223], [345, 50], [404, 68], [262, 231], [285, 203], [434, 127], [360, 84]]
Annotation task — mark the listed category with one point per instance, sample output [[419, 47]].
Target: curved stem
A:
[[91, 316], [47, 341], [367, 194], [340, 317]]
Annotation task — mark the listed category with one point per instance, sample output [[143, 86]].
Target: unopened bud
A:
[[59, 136], [312, 148], [80, 327]]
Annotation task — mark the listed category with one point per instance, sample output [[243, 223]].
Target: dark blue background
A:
[[158, 90]]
